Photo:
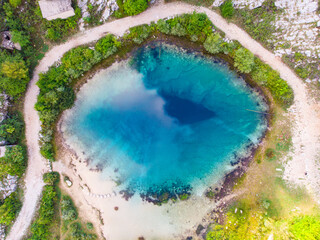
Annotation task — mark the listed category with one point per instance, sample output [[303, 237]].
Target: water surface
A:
[[164, 119]]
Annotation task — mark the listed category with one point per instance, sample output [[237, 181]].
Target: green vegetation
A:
[[15, 3], [68, 211], [56, 93], [51, 178], [50, 204], [206, 3], [213, 43], [60, 28], [14, 74], [89, 226], [139, 34], [107, 45], [77, 233], [134, 7], [195, 27], [227, 9], [12, 128], [305, 67], [40, 227], [244, 223], [9, 209], [72, 227], [14, 162], [244, 60], [266, 76], [258, 22]]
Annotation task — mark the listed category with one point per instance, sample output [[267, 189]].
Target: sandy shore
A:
[[300, 168], [139, 218]]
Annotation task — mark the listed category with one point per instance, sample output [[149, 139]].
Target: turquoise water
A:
[[166, 118]]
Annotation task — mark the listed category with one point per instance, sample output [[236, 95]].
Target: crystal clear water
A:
[[165, 118]]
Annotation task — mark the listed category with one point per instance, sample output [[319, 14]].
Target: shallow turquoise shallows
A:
[[165, 118]]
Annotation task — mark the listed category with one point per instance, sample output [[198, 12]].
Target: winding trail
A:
[[301, 169]]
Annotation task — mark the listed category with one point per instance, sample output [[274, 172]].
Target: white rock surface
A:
[[8, 185], [298, 25], [2, 232], [251, 4], [4, 104], [103, 7]]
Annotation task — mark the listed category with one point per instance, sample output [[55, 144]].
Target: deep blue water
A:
[[168, 117]]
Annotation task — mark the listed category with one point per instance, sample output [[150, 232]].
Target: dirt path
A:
[[304, 111]]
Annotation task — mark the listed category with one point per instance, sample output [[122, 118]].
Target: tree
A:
[[134, 7], [213, 43], [244, 60], [227, 9]]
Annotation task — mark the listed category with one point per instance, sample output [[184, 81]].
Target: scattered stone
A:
[[6, 41], [199, 229]]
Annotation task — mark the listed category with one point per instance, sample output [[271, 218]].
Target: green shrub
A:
[[163, 26], [51, 178], [305, 227], [89, 226], [302, 72], [9, 209], [13, 74], [270, 153], [139, 34], [227, 9], [79, 60], [68, 210], [15, 3], [47, 151], [15, 161], [280, 90], [12, 129], [20, 37], [52, 34], [213, 43], [77, 233], [244, 60], [60, 28], [196, 26], [134, 7], [107, 45], [41, 226]]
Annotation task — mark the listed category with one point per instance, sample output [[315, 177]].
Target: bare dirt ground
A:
[[300, 168]]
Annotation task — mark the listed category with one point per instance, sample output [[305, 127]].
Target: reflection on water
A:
[[169, 119]]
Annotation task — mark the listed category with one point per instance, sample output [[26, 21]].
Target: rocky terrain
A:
[[297, 33]]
